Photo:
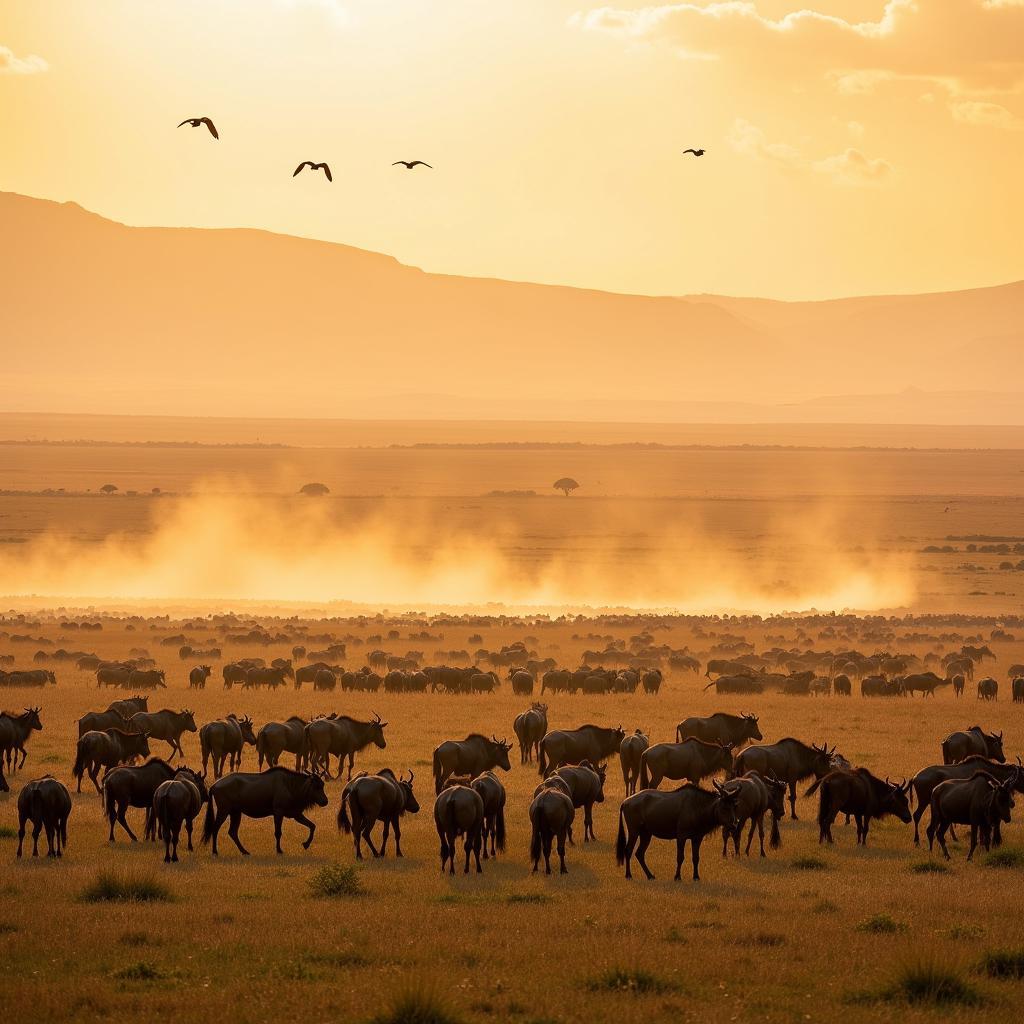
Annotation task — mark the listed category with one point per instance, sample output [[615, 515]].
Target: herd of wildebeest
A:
[[733, 780]]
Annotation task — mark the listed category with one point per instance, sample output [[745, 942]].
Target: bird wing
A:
[[327, 171], [185, 122], [693, 151], [209, 124], [299, 168], [422, 163], [397, 162]]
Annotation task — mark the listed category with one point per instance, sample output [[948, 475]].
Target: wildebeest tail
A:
[[776, 837], [620, 842], [344, 824], [535, 843], [645, 775], [712, 683], [679, 738], [79, 769], [208, 821], [260, 751], [813, 787], [499, 829], [946, 759], [438, 771], [542, 760]]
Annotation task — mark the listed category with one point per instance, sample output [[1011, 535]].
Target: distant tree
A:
[[108, 488], [156, 490], [314, 490], [566, 485]]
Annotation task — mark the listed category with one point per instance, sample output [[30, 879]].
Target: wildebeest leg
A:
[[974, 842], [188, 832], [236, 820], [545, 839], [997, 834], [37, 827], [918, 815], [476, 852], [351, 763], [641, 849], [941, 836], [94, 771], [22, 818], [24, 754], [303, 820], [562, 870], [444, 853], [49, 839], [368, 836], [398, 839], [695, 856], [863, 827], [588, 823], [680, 857], [167, 845], [278, 821], [792, 801], [122, 811]]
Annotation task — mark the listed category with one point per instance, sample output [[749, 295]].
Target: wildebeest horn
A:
[[718, 785], [411, 776]]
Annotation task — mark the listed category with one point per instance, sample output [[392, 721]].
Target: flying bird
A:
[[695, 152], [410, 164], [314, 167], [195, 122]]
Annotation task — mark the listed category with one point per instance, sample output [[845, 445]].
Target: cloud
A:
[[986, 115], [14, 65], [852, 167], [748, 140]]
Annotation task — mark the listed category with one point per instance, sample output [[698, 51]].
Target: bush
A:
[[417, 1006], [1007, 857], [641, 983], [1003, 963], [111, 886], [810, 864], [141, 971], [529, 897], [335, 880], [6, 832], [930, 867], [881, 924], [935, 984]]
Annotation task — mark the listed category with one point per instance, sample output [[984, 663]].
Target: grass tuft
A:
[[143, 970], [126, 887], [135, 939], [7, 928], [881, 924], [935, 984], [336, 880], [1007, 857], [417, 1006], [528, 897], [1003, 963], [6, 832], [810, 864], [930, 867], [767, 940], [966, 931], [640, 983]]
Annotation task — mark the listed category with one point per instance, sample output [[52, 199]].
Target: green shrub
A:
[[1006, 857], [930, 867], [936, 984], [141, 971], [881, 924], [1003, 963], [810, 864], [6, 832], [528, 897], [641, 983], [125, 886], [417, 1006], [335, 880]]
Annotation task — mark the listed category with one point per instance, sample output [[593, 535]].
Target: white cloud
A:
[[14, 65], [852, 167], [748, 140], [986, 115]]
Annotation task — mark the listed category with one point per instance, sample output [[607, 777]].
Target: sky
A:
[[853, 147]]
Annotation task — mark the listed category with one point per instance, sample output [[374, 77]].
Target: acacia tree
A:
[[566, 485], [314, 490], [108, 488]]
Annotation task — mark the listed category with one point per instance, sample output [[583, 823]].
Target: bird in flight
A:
[[410, 164], [695, 152], [314, 167], [195, 122]]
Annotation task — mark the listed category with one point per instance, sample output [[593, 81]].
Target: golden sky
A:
[[861, 146]]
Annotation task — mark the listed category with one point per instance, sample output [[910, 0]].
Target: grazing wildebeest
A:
[[789, 760], [988, 689], [755, 797], [272, 677], [725, 667], [879, 686], [737, 730], [197, 681], [841, 685], [551, 817], [591, 743], [32, 677], [630, 751], [106, 749], [557, 680], [177, 802], [492, 792], [1018, 690], [307, 674], [980, 801], [165, 725], [224, 740], [97, 721], [128, 706], [651, 681], [343, 737], [14, 733], [958, 685], [856, 791], [686, 813], [522, 682], [277, 738], [324, 679], [233, 673], [48, 803], [459, 810], [368, 799], [471, 756], [585, 784], [739, 683], [128, 786], [530, 728], [692, 760], [974, 740], [924, 682], [147, 679], [978, 654], [928, 778], [113, 675], [278, 793]]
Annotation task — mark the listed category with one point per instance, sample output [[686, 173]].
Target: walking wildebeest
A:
[[224, 740], [988, 689], [958, 685], [14, 733], [980, 801], [737, 730], [324, 679], [97, 721], [974, 740], [128, 786], [841, 685], [278, 793], [277, 738], [924, 682], [272, 677], [551, 817], [177, 802], [755, 797], [630, 751], [651, 681], [48, 803], [165, 725], [740, 683], [128, 706], [1018, 690], [879, 686], [342, 737], [692, 760], [197, 681], [591, 743], [471, 756], [492, 792], [106, 749], [585, 784], [522, 682], [789, 760], [856, 791], [368, 799], [151, 679], [459, 810], [530, 728]]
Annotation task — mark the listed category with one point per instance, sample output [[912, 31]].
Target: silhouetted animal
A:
[[276, 738], [459, 811], [410, 164], [106, 749], [165, 725], [343, 737], [958, 745], [980, 801], [471, 756], [492, 792], [551, 818], [224, 740], [736, 730], [856, 791], [530, 728], [314, 167], [755, 797], [591, 743], [789, 761], [47, 803], [196, 122], [178, 802], [368, 799], [630, 751]]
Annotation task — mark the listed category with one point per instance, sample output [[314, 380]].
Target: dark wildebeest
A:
[[165, 725], [492, 792], [789, 760], [725, 667], [736, 684], [988, 689], [272, 677], [277, 738], [841, 685], [324, 679], [925, 781], [856, 791], [233, 673], [368, 799], [342, 737], [147, 679], [48, 803], [129, 786], [522, 682], [197, 681], [107, 749], [879, 686], [958, 745], [651, 681], [551, 817], [177, 802], [556, 680], [14, 733], [471, 756], [1018, 690], [113, 675], [980, 801], [278, 793], [459, 810], [924, 682], [958, 685], [591, 743], [755, 797], [97, 721], [737, 730], [224, 740], [307, 674], [530, 728], [128, 706], [630, 751], [685, 813], [692, 760], [585, 784]]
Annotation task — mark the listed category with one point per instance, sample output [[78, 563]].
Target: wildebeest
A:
[[278, 793], [30, 677], [1018, 690], [272, 677], [276, 738], [980, 801], [988, 689], [106, 749], [856, 791], [592, 743], [630, 751], [165, 725], [841, 685], [146, 679], [755, 797], [47, 803], [471, 756], [686, 813], [789, 760], [530, 727], [522, 682], [177, 802], [100, 720], [924, 682], [128, 706], [692, 760], [129, 786], [737, 730], [492, 792], [459, 811], [368, 799], [551, 817], [343, 737], [324, 679], [879, 686], [14, 733], [585, 784], [958, 686], [725, 667], [651, 681], [197, 681], [974, 740], [738, 683], [224, 740]]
